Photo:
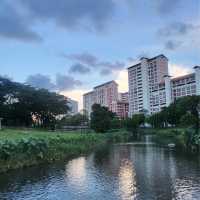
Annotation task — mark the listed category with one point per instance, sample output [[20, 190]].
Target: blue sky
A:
[[72, 45]]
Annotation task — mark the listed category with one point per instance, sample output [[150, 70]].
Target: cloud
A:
[[40, 81], [117, 65], [105, 72], [172, 44], [14, 26], [65, 82], [62, 82], [122, 80], [72, 13], [17, 19], [178, 70], [93, 62], [179, 34], [84, 58], [79, 68], [166, 7], [177, 29]]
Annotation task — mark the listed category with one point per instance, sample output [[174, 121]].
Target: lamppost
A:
[[0, 122]]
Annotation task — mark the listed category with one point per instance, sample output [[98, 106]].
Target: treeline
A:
[[178, 123], [103, 120], [182, 117], [23, 105], [183, 112]]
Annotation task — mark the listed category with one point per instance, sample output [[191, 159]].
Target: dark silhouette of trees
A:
[[23, 105], [101, 118], [133, 124], [184, 110]]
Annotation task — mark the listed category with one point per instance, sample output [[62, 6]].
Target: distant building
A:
[[73, 106], [103, 94], [88, 101], [123, 96], [107, 95], [151, 88], [120, 108]]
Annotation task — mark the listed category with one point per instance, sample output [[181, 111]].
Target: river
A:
[[140, 171]]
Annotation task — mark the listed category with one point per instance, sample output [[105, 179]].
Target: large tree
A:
[[101, 118], [23, 105]]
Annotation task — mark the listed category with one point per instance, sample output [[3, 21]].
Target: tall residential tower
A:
[[103, 94], [151, 88]]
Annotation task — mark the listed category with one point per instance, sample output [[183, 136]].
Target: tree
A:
[[101, 118], [74, 120], [157, 120], [116, 123], [192, 105], [187, 120], [23, 105], [133, 124]]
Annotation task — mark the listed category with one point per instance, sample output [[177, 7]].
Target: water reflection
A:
[[75, 172], [118, 172], [127, 182]]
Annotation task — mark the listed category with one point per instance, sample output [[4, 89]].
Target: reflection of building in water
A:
[[76, 172], [127, 182]]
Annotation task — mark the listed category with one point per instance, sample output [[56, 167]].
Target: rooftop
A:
[[109, 82], [88, 93], [149, 59], [182, 77]]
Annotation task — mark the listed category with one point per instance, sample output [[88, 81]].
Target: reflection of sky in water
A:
[[123, 172], [127, 182], [76, 172]]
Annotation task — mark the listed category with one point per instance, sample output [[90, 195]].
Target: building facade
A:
[[106, 93], [88, 101], [123, 96], [151, 88], [103, 94], [73, 106], [120, 108]]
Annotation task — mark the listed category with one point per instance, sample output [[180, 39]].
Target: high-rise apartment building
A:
[[151, 88], [103, 94], [73, 106], [106, 93], [123, 96], [120, 108], [88, 101]]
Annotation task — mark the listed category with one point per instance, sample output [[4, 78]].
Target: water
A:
[[140, 171]]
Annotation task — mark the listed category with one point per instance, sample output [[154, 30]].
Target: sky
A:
[[70, 46]]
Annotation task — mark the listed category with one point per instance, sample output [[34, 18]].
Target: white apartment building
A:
[[73, 106], [88, 101], [151, 88], [103, 94]]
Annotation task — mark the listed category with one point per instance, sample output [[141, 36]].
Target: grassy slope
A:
[[20, 148]]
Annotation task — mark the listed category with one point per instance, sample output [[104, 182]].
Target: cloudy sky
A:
[[71, 46]]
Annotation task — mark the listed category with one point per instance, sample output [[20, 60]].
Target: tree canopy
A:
[[101, 118], [183, 111], [23, 105]]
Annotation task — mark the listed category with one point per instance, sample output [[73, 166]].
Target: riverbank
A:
[[22, 148], [184, 139]]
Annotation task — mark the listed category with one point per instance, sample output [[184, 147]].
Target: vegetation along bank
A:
[[21, 148]]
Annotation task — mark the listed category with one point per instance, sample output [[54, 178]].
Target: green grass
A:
[[21, 148]]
